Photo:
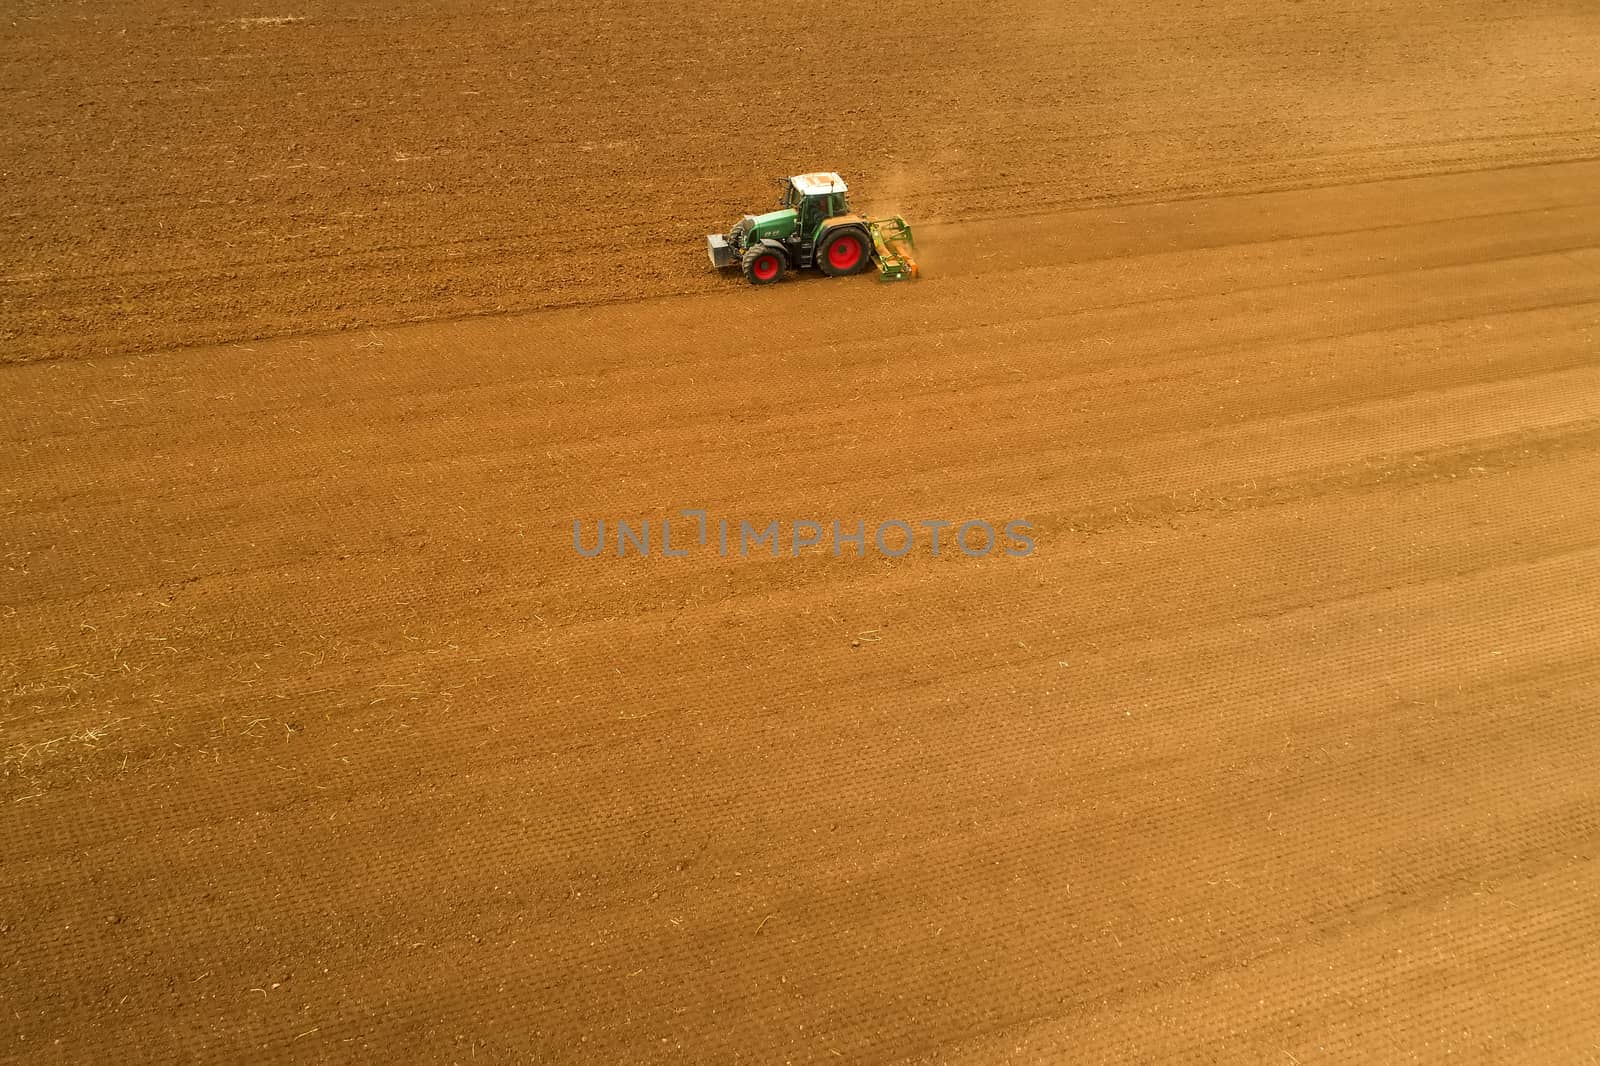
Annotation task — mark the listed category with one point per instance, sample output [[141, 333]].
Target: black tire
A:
[[844, 251], [763, 265]]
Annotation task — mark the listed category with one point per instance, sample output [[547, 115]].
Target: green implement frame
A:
[[892, 248]]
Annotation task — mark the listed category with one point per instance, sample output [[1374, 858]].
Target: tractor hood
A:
[[780, 222]]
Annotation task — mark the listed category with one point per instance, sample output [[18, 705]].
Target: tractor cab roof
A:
[[819, 183]]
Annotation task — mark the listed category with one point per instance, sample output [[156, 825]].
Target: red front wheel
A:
[[762, 266]]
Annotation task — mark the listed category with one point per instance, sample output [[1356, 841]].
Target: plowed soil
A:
[[320, 742]]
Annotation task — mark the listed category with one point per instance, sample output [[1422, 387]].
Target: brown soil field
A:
[[181, 173], [320, 742]]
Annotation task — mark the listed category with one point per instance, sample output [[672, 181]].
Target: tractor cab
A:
[[815, 197]]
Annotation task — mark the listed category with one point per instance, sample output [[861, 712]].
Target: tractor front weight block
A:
[[721, 253]]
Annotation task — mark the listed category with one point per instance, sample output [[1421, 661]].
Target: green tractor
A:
[[814, 227]]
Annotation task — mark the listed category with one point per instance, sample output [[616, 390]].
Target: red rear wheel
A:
[[843, 252]]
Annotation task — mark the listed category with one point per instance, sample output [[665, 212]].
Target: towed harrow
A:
[[893, 248]]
